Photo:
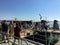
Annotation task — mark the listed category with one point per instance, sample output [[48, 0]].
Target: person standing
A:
[[43, 25], [4, 30], [11, 29], [55, 25], [0, 27], [17, 31]]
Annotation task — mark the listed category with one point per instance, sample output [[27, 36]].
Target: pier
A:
[[32, 42]]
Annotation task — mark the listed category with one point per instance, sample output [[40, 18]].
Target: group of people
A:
[[10, 30], [43, 25], [15, 28]]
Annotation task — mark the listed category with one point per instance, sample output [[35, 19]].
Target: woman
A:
[[17, 31], [11, 28]]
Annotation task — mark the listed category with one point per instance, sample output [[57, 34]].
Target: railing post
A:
[[8, 39], [50, 38], [46, 36], [20, 39]]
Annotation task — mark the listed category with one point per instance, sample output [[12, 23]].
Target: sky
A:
[[30, 9]]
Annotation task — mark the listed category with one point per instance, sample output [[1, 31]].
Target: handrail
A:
[[38, 39], [34, 42], [43, 36], [22, 39], [27, 40], [14, 36]]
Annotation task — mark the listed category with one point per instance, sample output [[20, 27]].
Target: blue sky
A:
[[30, 9]]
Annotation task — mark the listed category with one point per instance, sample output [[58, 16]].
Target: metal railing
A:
[[25, 41], [54, 37], [42, 36], [49, 37], [11, 40]]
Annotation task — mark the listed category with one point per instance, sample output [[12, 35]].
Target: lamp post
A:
[[40, 20], [40, 17]]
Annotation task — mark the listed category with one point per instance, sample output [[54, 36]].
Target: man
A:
[[4, 30], [55, 25]]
